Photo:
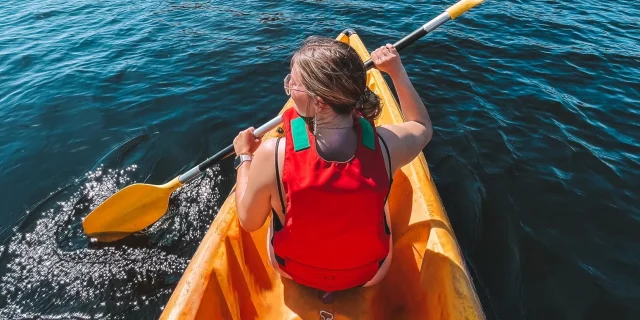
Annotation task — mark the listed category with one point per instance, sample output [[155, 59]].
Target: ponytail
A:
[[369, 105]]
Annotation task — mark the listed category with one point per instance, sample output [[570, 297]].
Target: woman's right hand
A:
[[387, 59]]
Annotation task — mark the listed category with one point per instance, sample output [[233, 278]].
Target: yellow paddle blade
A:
[[129, 210], [461, 7]]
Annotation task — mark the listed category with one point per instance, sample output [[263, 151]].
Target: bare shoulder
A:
[[387, 134], [266, 151], [405, 141], [271, 142], [264, 156], [268, 147]]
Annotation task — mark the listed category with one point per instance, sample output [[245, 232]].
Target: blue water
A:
[[536, 153]]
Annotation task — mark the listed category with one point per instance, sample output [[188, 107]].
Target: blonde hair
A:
[[333, 71]]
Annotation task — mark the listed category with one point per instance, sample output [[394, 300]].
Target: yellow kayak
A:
[[230, 277]]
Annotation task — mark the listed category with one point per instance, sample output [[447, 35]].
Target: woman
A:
[[326, 182]]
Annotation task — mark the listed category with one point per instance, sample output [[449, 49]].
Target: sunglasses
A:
[[287, 88]]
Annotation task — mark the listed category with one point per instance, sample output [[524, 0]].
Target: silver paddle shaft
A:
[[225, 153]]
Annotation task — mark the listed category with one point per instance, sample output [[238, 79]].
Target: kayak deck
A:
[[230, 277]]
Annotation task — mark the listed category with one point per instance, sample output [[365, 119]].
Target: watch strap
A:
[[241, 159]]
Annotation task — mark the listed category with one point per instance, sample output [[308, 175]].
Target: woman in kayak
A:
[[326, 182]]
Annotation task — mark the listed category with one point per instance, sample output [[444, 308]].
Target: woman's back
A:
[[327, 183], [334, 235]]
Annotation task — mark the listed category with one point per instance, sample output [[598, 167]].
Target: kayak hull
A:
[[230, 276]]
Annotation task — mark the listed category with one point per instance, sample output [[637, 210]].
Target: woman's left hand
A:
[[246, 142]]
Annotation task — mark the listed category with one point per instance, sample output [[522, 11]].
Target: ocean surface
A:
[[536, 152]]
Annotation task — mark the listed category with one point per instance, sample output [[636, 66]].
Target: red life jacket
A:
[[335, 235]]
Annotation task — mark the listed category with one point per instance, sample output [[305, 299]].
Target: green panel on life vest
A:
[[367, 134], [299, 134]]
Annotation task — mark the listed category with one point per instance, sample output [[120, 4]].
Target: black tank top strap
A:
[[389, 164], [278, 177], [277, 224]]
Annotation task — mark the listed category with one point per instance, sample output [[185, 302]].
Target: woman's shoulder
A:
[[405, 141], [267, 148], [264, 160], [386, 133]]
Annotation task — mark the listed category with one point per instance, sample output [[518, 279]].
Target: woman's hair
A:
[[333, 71]]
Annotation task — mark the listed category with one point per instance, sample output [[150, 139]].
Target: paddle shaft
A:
[[225, 153], [416, 34], [451, 13]]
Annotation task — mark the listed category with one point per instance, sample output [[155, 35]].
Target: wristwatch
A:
[[240, 159]]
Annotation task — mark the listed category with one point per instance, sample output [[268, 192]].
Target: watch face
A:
[[236, 162]]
